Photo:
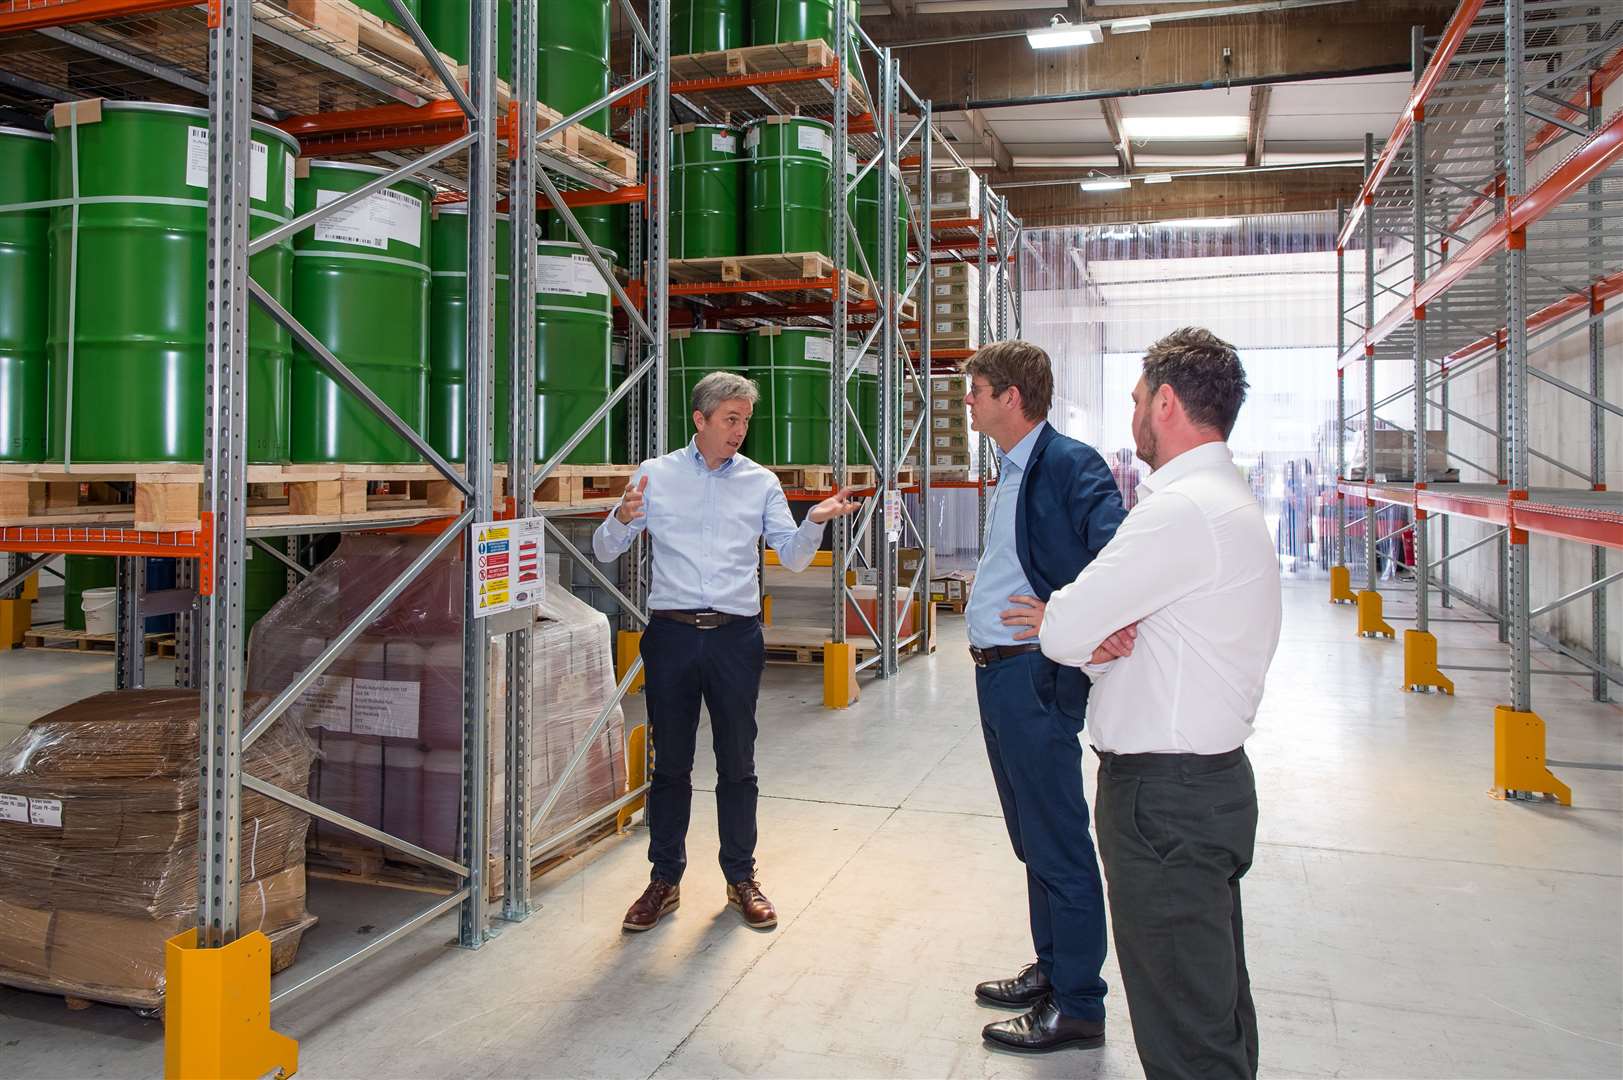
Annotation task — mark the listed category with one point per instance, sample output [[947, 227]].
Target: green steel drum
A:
[[446, 24], [693, 355], [773, 21], [361, 286], [572, 42], [264, 581], [129, 289], [706, 180], [448, 332], [787, 185], [863, 203], [385, 11], [862, 390], [572, 369], [25, 276], [620, 418], [81, 572], [707, 25], [605, 226], [792, 366]]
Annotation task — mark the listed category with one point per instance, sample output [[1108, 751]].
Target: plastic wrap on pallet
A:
[[98, 842]]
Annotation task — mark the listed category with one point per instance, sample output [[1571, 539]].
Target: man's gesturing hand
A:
[[630, 508], [836, 505], [1116, 646]]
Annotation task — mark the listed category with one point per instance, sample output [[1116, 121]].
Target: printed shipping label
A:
[[374, 221], [327, 703], [820, 349], [943, 309], [197, 164], [943, 327], [14, 808], [556, 274], [46, 812], [942, 290], [385, 707], [587, 279], [943, 271], [288, 191], [723, 143], [752, 138]]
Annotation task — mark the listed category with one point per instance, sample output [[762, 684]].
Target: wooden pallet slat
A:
[[798, 266], [820, 477]]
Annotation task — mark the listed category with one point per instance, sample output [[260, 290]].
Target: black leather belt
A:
[[704, 620], [998, 653], [1170, 764]]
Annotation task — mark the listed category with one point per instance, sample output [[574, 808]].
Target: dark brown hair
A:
[[1204, 371], [1019, 364]]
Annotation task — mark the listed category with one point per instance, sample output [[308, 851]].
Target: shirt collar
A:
[[1205, 456], [698, 459], [1021, 452]]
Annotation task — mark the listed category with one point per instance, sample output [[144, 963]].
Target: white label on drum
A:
[[752, 138], [556, 274], [259, 172], [820, 348], [374, 221], [197, 163], [850, 165], [288, 191], [587, 279], [723, 142]]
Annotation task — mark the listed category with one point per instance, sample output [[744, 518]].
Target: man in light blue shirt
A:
[[706, 508]]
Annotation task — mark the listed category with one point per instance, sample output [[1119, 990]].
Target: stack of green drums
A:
[[693, 355], [773, 21], [707, 25], [788, 181], [25, 259], [129, 287], [448, 332], [793, 367], [360, 286], [572, 368], [572, 39], [706, 188]]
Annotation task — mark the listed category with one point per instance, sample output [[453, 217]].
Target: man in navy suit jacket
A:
[[1055, 507]]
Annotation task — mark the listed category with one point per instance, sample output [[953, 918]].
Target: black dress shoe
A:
[[1026, 988], [1045, 1028]]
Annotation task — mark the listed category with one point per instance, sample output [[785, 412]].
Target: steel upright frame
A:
[[1500, 264]]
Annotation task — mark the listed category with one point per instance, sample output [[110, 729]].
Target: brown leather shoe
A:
[[748, 900], [659, 899]]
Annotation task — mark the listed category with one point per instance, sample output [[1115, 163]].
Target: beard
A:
[[1148, 446]]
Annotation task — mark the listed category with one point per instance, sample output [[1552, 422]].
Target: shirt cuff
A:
[[614, 529]]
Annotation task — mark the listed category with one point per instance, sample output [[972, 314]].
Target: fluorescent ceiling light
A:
[[1106, 183], [1130, 26], [1185, 127], [1158, 178], [1060, 34]]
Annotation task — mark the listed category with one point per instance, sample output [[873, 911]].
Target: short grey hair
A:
[[720, 386]]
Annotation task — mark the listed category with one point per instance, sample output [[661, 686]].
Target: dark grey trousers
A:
[[1176, 833]]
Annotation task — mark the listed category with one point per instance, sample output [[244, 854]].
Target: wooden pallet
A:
[[806, 266], [802, 644], [48, 637], [352, 30], [764, 60], [579, 141], [819, 477]]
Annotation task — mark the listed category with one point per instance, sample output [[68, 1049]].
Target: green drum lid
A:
[[793, 368], [25, 177], [362, 288], [707, 25], [448, 333], [572, 38], [706, 190], [129, 287], [693, 354], [446, 24], [787, 185]]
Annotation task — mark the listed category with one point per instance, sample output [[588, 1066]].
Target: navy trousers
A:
[[1036, 758], [684, 665]]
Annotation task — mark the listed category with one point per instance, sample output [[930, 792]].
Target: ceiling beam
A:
[[1191, 197], [1111, 107], [1256, 132], [989, 139]]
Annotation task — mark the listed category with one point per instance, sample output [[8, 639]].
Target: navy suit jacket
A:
[[1069, 509]]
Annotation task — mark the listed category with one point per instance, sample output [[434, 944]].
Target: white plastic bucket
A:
[[101, 610]]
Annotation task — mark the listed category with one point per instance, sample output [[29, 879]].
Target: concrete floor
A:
[[1400, 922]]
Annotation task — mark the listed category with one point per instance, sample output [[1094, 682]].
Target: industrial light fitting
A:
[[1061, 33], [1106, 183], [1191, 128], [1158, 178], [1130, 26]]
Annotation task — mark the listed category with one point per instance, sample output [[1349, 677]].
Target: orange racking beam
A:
[[18, 15], [1603, 290], [589, 197]]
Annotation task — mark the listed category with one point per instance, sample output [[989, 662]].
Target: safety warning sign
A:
[[509, 564]]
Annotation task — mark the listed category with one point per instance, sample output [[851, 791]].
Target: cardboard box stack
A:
[[1394, 456], [98, 844], [949, 433], [951, 590], [954, 307], [955, 193]]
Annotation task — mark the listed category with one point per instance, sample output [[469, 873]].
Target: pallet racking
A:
[[1492, 203]]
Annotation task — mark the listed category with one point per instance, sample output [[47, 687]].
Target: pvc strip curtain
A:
[[1096, 297]]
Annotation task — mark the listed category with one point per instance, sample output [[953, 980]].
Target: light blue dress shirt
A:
[[999, 575], [706, 525]]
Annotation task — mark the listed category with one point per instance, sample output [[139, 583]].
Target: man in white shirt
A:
[[1177, 621]]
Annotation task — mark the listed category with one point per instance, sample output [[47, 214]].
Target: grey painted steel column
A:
[[889, 626], [839, 225], [1417, 154], [1597, 415], [1340, 554], [472, 919], [1501, 415], [520, 448], [186, 626], [1516, 404], [1371, 517], [987, 335], [923, 297], [130, 653], [659, 149], [224, 472], [1445, 596]]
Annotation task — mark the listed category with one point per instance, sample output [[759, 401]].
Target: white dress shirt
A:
[[1194, 566], [706, 525]]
